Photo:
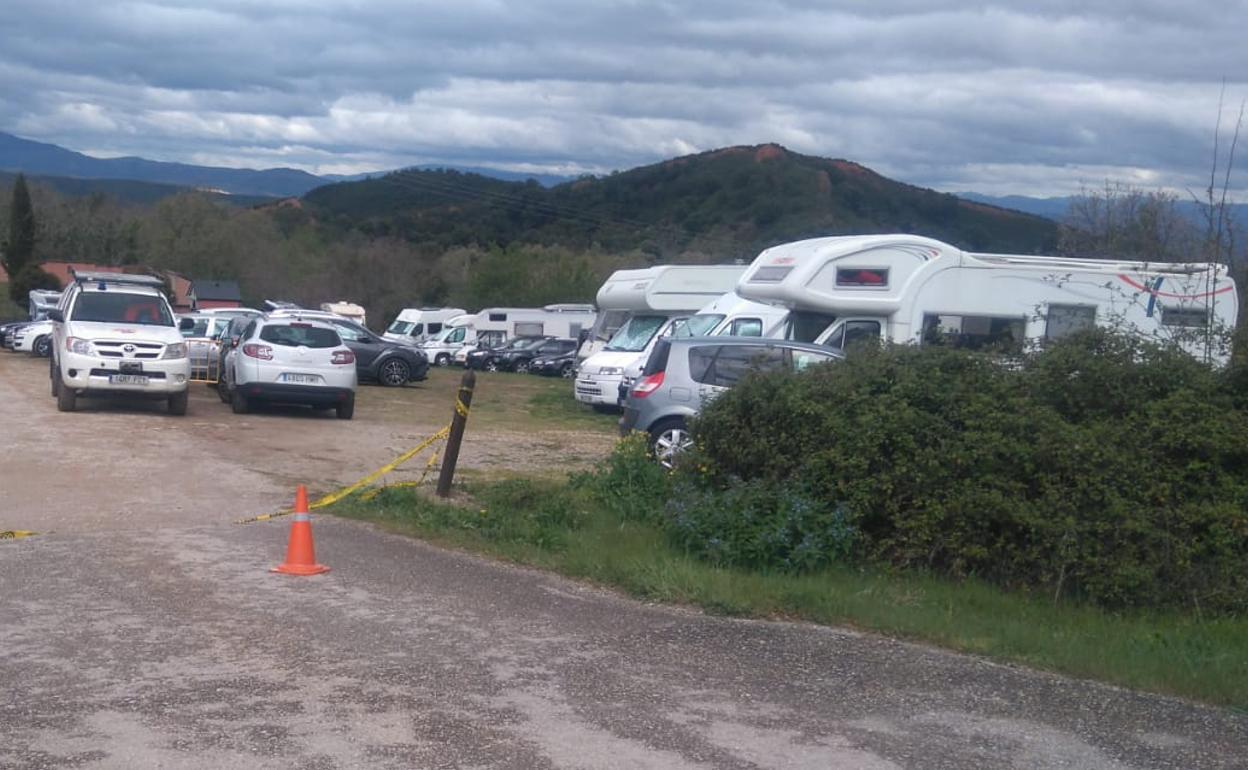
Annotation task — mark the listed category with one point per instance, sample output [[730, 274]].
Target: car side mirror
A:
[[186, 324], [56, 316]]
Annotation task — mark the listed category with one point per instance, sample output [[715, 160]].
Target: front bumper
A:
[[598, 389], [93, 374]]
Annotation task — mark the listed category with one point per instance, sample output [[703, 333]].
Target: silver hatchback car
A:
[[684, 373]]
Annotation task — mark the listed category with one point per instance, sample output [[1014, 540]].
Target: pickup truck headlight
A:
[[176, 350], [78, 345]]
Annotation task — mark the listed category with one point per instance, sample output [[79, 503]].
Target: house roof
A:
[[227, 291]]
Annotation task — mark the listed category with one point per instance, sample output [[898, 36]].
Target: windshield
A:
[[399, 327], [113, 307], [806, 326], [637, 333], [607, 324], [699, 325]]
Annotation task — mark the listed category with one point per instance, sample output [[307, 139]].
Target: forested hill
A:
[[725, 203]]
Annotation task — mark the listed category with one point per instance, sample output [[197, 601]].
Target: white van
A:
[[656, 299], [907, 288], [415, 325], [733, 316]]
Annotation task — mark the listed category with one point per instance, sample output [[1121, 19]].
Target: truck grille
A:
[[141, 350]]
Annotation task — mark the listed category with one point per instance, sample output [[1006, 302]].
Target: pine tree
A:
[[20, 250]]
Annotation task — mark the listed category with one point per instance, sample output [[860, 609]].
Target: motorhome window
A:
[[733, 361], [1064, 320], [418, 329], [434, 328], [697, 325], [875, 277], [608, 323], [1185, 317], [399, 327], [498, 316], [745, 327], [635, 335], [854, 333], [456, 335], [530, 329], [770, 274], [806, 326], [112, 307], [970, 332]]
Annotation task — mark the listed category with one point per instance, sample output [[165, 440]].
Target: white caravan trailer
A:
[[655, 299], [906, 288], [495, 325], [733, 316], [41, 301], [415, 325]]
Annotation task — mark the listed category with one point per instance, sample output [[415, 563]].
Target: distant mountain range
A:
[[1057, 208]]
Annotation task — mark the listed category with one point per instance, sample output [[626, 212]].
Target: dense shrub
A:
[[1101, 467]]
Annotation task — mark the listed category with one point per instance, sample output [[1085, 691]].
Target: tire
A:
[[178, 402], [668, 440], [223, 392], [522, 367], [66, 398], [442, 359], [54, 374], [42, 347], [346, 409], [567, 371], [394, 372], [491, 365], [238, 402]]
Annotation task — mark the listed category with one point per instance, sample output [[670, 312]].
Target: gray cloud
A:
[[1000, 97]]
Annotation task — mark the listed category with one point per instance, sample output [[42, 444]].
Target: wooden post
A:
[[460, 419]]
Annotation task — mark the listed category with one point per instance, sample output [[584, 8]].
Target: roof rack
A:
[[130, 278]]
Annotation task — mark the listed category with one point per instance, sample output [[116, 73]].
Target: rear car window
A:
[[296, 335], [657, 362]]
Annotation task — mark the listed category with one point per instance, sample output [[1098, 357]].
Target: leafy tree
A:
[[20, 249]]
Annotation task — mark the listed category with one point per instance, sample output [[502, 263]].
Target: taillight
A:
[[647, 385], [343, 357], [262, 352]]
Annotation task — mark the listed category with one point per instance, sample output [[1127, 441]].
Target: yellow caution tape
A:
[[339, 494], [16, 534], [461, 408]]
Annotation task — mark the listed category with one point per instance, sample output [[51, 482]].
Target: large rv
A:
[[494, 326], [655, 299], [906, 288], [414, 325]]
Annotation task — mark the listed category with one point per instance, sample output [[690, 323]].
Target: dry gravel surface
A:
[[144, 630]]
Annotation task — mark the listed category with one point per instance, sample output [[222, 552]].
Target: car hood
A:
[[93, 330], [612, 358]]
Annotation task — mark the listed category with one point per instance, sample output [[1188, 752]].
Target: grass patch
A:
[[557, 408], [559, 526]]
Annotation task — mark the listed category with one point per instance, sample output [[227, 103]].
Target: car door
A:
[[362, 343]]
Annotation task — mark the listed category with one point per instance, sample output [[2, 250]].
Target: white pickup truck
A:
[[115, 333]]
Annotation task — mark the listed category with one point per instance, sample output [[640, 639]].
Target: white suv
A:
[[290, 360], [115, 333]]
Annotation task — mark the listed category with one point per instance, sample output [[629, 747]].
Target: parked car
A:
[[229, 338], [683, 373], [561, 365], [8, 332], [34, 338], [290, 361], [393, 364], [520, 359], [487, 358], [203, 343]]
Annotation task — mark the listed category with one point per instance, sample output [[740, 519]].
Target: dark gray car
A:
[[684, 373]]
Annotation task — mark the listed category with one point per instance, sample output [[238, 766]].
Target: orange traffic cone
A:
[[300, 554]]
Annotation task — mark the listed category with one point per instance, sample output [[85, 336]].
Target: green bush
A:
[[1102, 467], [630, 484]]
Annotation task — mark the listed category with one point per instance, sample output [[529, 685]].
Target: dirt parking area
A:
[[125, 463]]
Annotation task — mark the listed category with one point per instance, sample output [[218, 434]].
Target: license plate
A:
[[128, 379], [303, 379]]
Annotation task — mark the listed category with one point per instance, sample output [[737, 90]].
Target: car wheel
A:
[[66, 398], [567, 371], [442, 359], [178, 402], [43, 347], [346, 409], [238, 402], [522, 367], [491, 365], [668, 440], [394, 372], [54, 375]]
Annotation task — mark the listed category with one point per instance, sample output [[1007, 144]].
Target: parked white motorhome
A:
[[346, 309], [415, 325], [41, 301], [655, 299], [494, 326], [733, 316], [906, 288]]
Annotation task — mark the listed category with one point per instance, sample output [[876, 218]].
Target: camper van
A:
[[907, 288], [415, 325], [730, 315], [346, 309], [655, 299], [41, 301], [495, 325]]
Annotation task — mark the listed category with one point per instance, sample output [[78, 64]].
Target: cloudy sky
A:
[[1033, 97]]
